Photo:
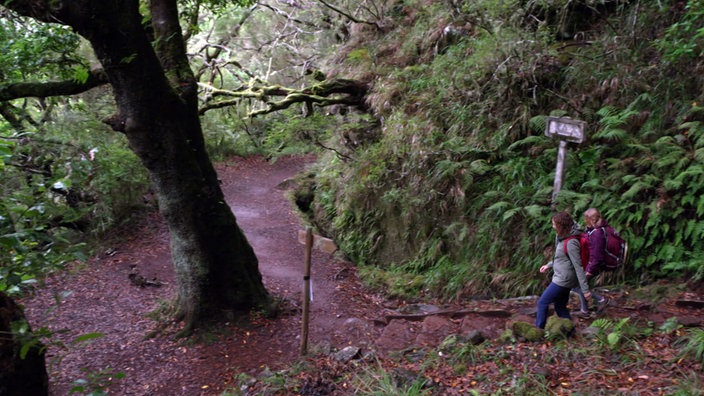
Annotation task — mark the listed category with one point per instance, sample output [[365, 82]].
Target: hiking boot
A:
[[580, 314], [601, 305]]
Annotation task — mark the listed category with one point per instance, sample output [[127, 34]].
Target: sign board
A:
[[321, 243], [565, 128]]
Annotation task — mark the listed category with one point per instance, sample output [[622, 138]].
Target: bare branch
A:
[[348, 15], [288, 16]]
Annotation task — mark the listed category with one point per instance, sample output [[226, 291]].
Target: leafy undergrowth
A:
[[651, 366], [630, 355]]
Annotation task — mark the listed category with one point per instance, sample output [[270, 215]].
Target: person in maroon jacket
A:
[[597, 244]]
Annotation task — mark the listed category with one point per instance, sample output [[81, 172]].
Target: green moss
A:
[[558, 328], [527, 332]]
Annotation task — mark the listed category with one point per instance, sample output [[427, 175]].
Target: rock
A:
[[346, 354], [419, 309], [397, 335], [524, 331], [488, 327], [507, 337], [434, 330], [590, 332], [356, 328], [475, 337], [557, 327]]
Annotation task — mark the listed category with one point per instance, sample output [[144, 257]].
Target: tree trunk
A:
[[156, 97], [19, 375]]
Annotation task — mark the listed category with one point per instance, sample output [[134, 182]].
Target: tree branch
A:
[[353, 95], [171, 49], [347, 15], [53, 88]]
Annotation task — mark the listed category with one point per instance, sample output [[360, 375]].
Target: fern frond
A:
[[510, 213], [672, 184], [643, 101], [528, 141], [667, 160], [608, 111], [695, 131], [693, 344], [621, 323], [536, 211], [538, 123], [636, 188], [613, 134], [558, 113], [500, 206], [694, 230], [699, 154], [479, 167], [602, 323], [593, 184], [694, 172]]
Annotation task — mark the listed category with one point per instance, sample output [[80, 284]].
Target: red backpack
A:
[[615, 250], [583, 247]]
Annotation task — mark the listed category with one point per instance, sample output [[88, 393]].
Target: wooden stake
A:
[[306, 292]]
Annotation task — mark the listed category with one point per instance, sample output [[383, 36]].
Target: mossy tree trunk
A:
[[156, 97], [19, 375]]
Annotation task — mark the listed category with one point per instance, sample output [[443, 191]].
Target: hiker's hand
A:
[[544, 268], [587, 295], [588, 274]]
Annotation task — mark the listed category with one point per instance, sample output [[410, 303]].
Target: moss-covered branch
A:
[[52, 88], [326, 93]]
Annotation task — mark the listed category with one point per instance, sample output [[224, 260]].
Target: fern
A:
[[612, 134], [538, 123], [692, 345]]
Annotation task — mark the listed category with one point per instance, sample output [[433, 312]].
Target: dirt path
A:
[[99, 298]]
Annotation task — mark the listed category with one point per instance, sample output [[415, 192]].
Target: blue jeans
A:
[[554, 294]]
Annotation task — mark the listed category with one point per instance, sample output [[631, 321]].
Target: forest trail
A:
[[135, 355], [98, 297]]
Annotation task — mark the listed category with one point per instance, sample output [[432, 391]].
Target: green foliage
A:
[[31, 49], [62, 186], [377, 381], [29, 245], [618, 335], [684, 40], [692, 344], [456, 193]]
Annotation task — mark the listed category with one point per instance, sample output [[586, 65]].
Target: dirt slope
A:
[[99, 298]]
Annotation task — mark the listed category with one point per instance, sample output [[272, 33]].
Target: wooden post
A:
[[306, 292], [559, 172]]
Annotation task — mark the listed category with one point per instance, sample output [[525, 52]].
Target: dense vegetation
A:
[[442, 183], [452, 196], [64, 180]]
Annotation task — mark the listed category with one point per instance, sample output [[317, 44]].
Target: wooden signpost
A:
[[326, 245], [567, 130]]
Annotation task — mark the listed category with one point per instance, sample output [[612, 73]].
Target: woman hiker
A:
[[567, 270]]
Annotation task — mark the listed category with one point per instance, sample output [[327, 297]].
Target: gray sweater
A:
[[567, 268]]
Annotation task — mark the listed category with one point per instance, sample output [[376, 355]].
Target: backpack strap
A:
[[564, 243]]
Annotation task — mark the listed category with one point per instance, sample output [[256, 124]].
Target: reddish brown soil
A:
[[99, 298]]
